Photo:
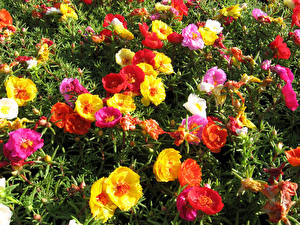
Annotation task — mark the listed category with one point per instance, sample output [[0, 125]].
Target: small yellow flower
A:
[[279, 20], [124, 103], [22, 90], [123, 32], [18, 123], [167, 165], [3, 123], [153, 90], [124, 57], [163, 63], [234, 11], [43, 54], [124, 188], [67, 12], [87, 105], [250, 79], [162, 7], [101, 206], [161, 29], [148, 69], [242, 119], [209, 37]]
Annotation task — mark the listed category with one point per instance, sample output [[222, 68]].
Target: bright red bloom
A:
[[144, 29], [205, 199], [145, 55], [88, 1], [152, 128], [214, 137], [180, 7], [190, 173], [109, 17], [281, 51], [106, 34], [114, 82], [296, 16], [5, 18], [59, 111], [175, 38], [134, 76], [75, 124], [152, 41], [23, 58], [293, 156]]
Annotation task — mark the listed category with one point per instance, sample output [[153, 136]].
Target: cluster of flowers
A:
[[6, 25]]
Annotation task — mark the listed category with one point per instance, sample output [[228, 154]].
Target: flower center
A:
[[126, 61], [122, 189], [88, 108], [199, 106], [194, 36], [153, 91], [103, 198], [21, 94], [26, 143], [130, 78], [205, 201], [4, 109], [109, 119]]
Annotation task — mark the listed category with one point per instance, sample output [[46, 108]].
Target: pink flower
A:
[[70, 88], [215, 76], [284, 73], [195, 125], [107, 117], [22, 143], [261, 16], [290, 96], [186, 212], [266, 64], [192, 37]]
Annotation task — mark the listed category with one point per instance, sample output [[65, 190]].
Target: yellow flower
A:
[[3, 123], [148, 69], [153, 90], [18, 123], [67, 12], [22, 90], [123, 32], [279, 20], [124, 57], [209, 37], [250, 79], [100, 204], [43, 54], [124, 103], [234, 11], [242, 119], [87, 105], [167, 165], [163, 63], [162, 7], [161, 29], [124, 188]]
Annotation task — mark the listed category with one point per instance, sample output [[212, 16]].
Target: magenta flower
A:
[[261, 16], [215, 76], [107, 117], [284, 73], [192, 37], [186, 211], [70, 88], [266, 64], [290, 96], [22, 143], [195, 125]]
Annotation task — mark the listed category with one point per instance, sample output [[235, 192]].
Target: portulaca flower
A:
[[214, 26], [2, 182], [74, 222], [53, 10], [8, 108], [31, 63], [116, 22], [241, 131], [196, 105], [5, 214], [204, 86]]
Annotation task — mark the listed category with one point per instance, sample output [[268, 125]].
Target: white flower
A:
[[207, 87], [214, 26], [116, 22], [73, 222], [8, 108], [196, 105], [53, 10], [2, 182], [241, 131], [31, 63], [5, 214]]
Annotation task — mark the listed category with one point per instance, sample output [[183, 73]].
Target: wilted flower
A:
[[266, 64], [290, 96], [186, 212], [8, 108], [107, 117], [87, 105], [196, 105], [152, 128], [195, 125]]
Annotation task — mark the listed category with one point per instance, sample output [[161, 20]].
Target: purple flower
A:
[[192, 37], [70, 88], [195, 125], [22, 143], [186, 211], [284, 73], [107, 117], [215, 76], [290, 96]]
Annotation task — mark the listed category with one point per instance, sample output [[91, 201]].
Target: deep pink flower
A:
[[195, 125], [192, 37], [22, 143], [290, 96], [266, 64], [284, 73], [215, 76], [107, 117], [70, 88], [186, 212], [261, 16]]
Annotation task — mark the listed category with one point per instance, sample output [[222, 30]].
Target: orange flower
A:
[[75, 124], [293, 156], [182, 134], [59, 112], [214, 137], [5, 18], [152, 128], [189, 173]]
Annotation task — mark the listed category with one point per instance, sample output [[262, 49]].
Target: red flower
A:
[[23, 58], [109, 17], [114, 82], [152, 41], [281, 51], [232, 125], [75, 124], [180, 7], [293, 156], [214, 137], [134, 76], [152, 128], [205, 199], [175, 38], [296, 16], [59, 111], [5, 18], [88, 1], [144, 29], [189, 173], [145, 55]]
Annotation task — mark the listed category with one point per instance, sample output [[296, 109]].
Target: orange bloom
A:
[[59, 112], [182, 134], [293, 156], [5, 18], [214, 137], [128, 122], [189, 173], [152, 128], [75, 124]]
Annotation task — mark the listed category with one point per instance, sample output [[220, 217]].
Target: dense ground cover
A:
[[144, 112]]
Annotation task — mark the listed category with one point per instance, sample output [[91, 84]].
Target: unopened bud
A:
[[16, 54], [35, 111], [37, 217], [47, 158], [77, 139], [172, 123], [44, 200], [280, 145], [100, 133]]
